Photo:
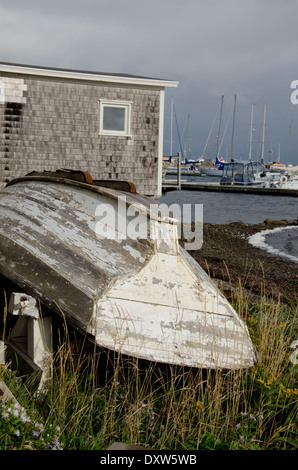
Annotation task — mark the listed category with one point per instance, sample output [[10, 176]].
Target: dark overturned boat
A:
[[141, 296]]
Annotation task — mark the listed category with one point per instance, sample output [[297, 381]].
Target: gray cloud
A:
[[211, 47]]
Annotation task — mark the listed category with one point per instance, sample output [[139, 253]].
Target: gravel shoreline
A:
[[232, 261]]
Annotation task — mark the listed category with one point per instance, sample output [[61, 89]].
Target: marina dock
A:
[[172, 185]]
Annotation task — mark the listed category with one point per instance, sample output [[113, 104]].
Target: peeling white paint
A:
[[12, 90], [146, 299], [134, 253], [160, 313]]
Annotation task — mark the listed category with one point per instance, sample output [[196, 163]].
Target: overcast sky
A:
[[247, 48]]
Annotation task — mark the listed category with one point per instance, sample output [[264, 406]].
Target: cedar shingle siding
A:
[[49, 123]]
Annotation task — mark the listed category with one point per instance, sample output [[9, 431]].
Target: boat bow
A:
[[144, 297]]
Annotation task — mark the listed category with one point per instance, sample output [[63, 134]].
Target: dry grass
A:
[[96, 397]]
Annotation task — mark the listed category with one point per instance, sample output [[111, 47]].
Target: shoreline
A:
[[231, 261]]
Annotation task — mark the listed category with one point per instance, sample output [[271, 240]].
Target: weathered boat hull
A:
[[143, 297]]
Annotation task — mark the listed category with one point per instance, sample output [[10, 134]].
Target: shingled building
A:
[[110, 125]]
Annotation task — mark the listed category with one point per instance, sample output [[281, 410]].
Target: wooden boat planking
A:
[[146, 298]]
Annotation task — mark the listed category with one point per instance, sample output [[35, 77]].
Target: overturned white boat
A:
[[145, 297]]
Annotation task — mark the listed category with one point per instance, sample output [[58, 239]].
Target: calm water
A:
[[285, 241], [223, 208], [282, 241]]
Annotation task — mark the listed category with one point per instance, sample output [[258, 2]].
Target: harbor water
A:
[[224, 208], [282, 241]]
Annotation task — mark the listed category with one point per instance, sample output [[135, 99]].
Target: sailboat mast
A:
[[251, 129], [186, 149], [232, 149], [263, 137], [171, 141], [219, 126]]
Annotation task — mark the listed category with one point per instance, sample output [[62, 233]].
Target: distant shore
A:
[[231, 260]]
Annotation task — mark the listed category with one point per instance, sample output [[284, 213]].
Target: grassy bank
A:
[[95, 399]]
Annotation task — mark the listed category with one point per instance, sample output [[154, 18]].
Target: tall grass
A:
[[96, 397]]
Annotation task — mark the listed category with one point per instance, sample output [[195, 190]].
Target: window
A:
[[115, 117]]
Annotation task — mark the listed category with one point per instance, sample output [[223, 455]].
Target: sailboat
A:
[[217, 170], [187, 166], [245, 172]]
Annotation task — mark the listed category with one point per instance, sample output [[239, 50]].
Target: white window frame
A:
[[126, 105]]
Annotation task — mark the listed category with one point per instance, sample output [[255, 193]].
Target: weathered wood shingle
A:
[[49, 123]]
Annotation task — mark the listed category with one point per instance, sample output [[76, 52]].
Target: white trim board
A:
[[88, 76]]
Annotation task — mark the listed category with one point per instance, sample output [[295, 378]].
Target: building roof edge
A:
[[86, 75]]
